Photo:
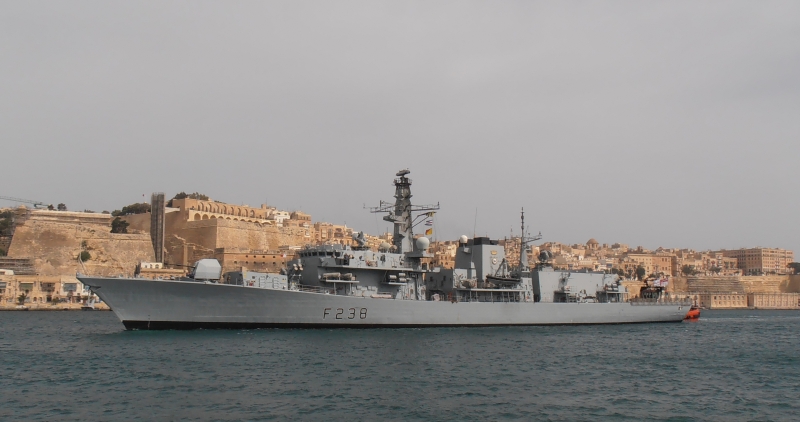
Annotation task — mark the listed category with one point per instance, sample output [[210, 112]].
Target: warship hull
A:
[[165, 304]]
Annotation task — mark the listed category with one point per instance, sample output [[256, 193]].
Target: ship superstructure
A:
[[394, 286]]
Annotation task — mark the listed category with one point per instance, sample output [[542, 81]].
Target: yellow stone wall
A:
[[53, 242], [187, 239]]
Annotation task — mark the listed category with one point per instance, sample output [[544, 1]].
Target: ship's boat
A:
[[694, 313], [393, 285]]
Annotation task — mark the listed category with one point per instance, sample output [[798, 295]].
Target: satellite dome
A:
[[423, 243], [463, 239], [384, 246]]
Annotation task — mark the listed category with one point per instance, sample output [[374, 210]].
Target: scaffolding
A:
[[157, 226]]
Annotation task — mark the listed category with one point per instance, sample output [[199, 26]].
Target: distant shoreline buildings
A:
[[620, 258]]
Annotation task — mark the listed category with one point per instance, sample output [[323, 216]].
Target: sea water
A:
[[730, 365]]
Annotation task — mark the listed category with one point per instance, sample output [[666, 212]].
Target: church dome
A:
[[592, 241]]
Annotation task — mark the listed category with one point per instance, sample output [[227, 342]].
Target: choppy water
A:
[[731, 365]]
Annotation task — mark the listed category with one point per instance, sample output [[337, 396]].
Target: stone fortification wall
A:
[[54, 243], [738, 284], [765, 284], [190, 240], [793, 286], [138, 223], [714, 284], [254, 236], [238, 234], [678, 284], [180, 251]]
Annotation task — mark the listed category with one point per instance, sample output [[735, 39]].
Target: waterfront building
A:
[[757, 261], [653, 263], [722, 300], [444, 253], [333, 234], [690, 262], [773, 300], [40, 291]]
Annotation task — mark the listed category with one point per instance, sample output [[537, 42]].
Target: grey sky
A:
[[673, 123]]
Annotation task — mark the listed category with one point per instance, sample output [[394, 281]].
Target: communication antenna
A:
[[475, 224]]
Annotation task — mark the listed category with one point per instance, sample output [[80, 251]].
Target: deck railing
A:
[[313, 289]]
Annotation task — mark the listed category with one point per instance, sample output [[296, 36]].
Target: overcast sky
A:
[[672, 123]]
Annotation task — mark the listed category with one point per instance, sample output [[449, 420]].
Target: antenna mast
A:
[[523, 243]]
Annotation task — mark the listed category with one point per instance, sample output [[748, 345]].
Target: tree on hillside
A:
[[715, 270], [139, 208], [62, 207], [688, 270], [119, 225], [6, 222], [640, 272], [795, 266]]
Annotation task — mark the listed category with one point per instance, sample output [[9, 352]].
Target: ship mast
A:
[[401, 213], [523, 244]]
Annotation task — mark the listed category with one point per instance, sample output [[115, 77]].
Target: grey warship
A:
[[395, 286]]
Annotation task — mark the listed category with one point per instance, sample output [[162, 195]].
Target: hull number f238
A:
[[344, 313]]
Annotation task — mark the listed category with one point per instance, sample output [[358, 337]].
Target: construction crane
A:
[[36, 204]]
